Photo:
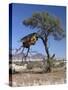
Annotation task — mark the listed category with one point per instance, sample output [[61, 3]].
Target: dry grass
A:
[[34, 75], [29, 79]]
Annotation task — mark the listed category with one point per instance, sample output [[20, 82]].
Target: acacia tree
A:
[[47, 25]]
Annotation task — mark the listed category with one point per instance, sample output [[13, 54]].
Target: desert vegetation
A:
[[34, 73], [48, 71]]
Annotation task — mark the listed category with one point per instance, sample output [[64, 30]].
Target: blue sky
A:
[[23, 11]]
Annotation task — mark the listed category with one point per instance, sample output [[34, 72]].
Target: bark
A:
[[46, 47], [47, 52]]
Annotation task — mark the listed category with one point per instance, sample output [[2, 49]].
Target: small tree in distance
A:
[[47, 25]]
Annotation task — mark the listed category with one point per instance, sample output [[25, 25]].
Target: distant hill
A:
[[36, 56]]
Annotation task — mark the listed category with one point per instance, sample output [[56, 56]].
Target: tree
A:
[[47, 25]]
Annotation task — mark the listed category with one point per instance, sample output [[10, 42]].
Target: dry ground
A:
[[57, 76]]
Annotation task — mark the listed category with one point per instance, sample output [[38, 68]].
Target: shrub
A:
[[29, 66]]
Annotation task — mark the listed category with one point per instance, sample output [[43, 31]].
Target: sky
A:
[[23, 11]]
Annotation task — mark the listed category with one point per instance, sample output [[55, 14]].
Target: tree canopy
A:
[[46, 24]]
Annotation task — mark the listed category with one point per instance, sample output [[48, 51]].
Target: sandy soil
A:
[[29, 79]]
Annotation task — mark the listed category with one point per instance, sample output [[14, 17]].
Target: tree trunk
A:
[[48, 58], [48, 55]]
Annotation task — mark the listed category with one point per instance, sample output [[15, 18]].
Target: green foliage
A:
[[48, 24]]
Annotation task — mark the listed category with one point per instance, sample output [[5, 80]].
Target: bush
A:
[[29, 66], [61, 64]]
